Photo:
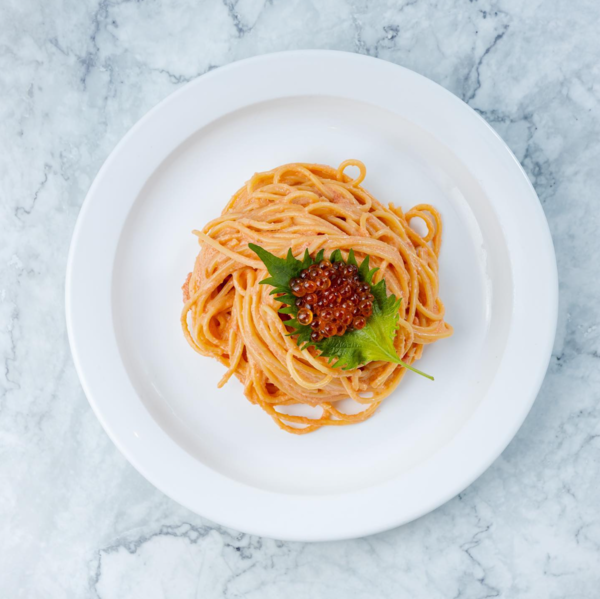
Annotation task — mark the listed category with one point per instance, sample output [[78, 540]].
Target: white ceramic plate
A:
[[210, 449]]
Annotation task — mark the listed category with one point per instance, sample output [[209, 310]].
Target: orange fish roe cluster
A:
[[332, 299]]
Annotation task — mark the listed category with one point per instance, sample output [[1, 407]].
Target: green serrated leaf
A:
[[319, 256], [375, 342]]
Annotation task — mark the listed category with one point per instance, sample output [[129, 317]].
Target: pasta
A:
[[229, 316]]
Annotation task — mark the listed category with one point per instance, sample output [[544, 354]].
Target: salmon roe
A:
[[332, 299]]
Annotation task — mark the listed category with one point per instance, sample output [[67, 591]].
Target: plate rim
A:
[[265, 528]]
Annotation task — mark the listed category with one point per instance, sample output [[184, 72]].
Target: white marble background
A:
[[75, 519]]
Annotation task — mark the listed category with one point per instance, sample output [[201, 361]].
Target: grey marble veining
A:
[[75, 519]]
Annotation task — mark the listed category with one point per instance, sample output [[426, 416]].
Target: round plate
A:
[[210, 449]]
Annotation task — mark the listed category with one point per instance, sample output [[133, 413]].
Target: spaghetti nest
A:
[[227, 315]]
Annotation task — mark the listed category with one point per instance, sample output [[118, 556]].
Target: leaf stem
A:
[[409, 367]]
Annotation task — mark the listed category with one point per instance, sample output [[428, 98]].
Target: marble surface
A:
[[76, 520]]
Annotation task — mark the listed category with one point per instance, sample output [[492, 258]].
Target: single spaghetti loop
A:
[[229, 316]]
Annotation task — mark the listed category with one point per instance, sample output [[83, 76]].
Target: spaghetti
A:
[[227, 315]]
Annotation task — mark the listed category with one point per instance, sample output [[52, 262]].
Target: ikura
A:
[[332, 299]]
